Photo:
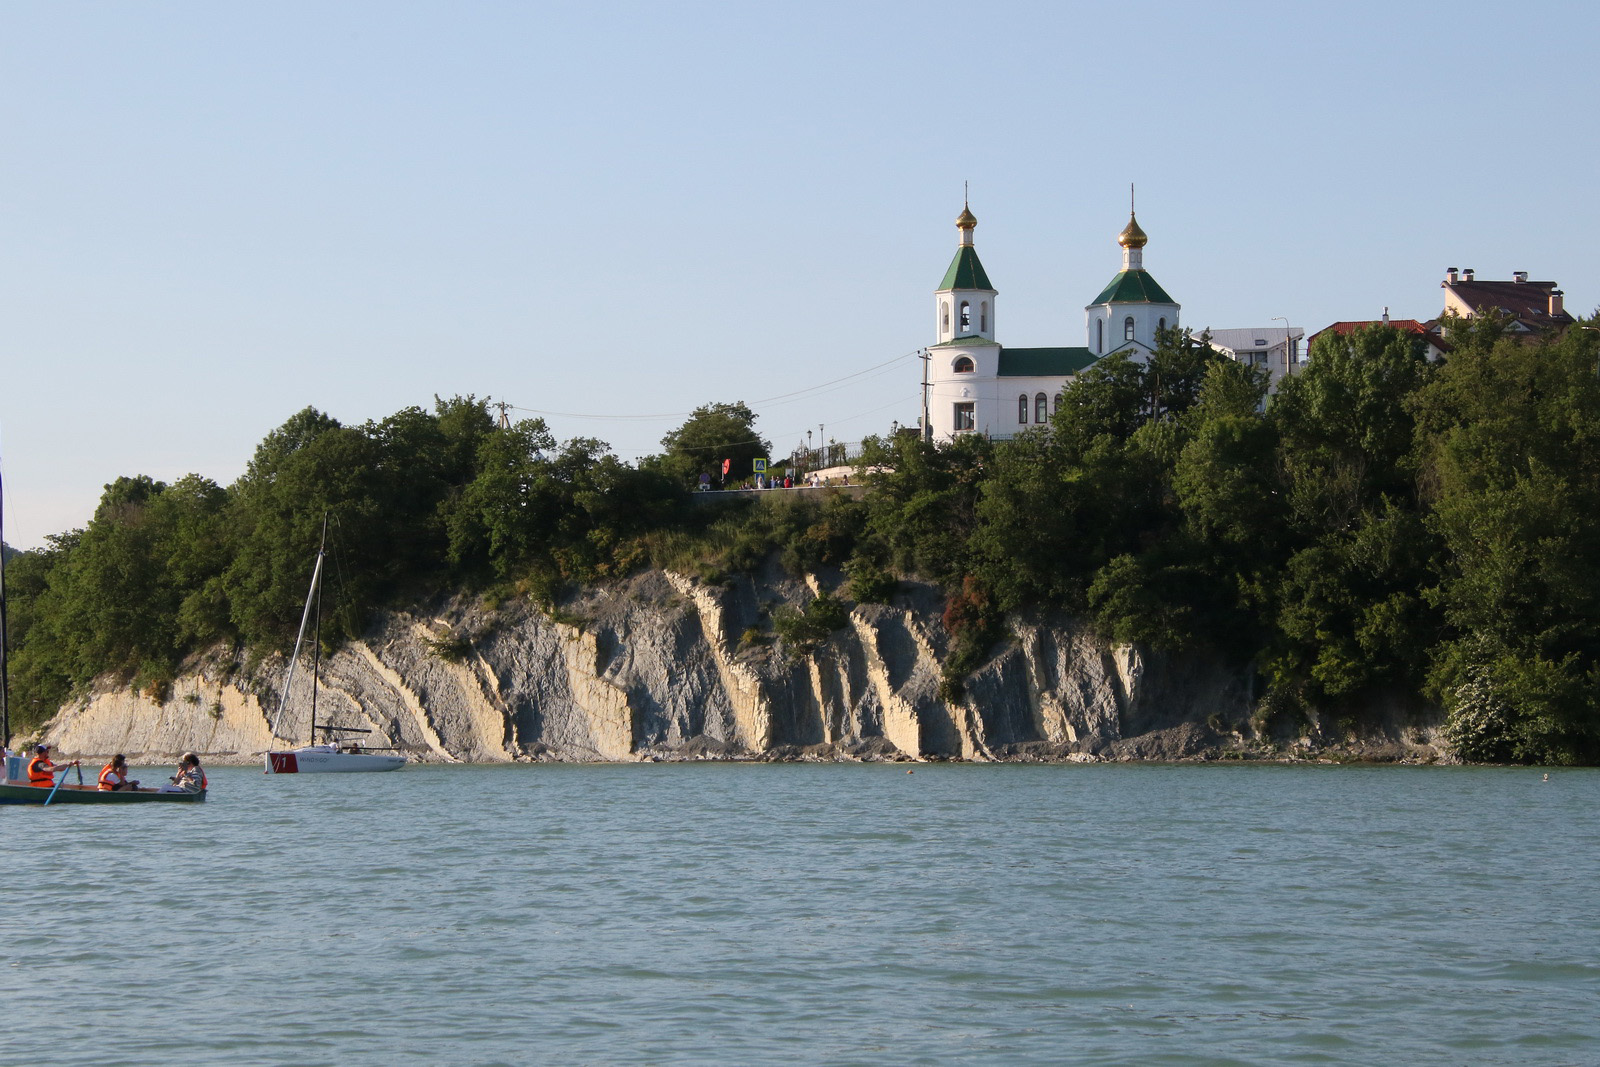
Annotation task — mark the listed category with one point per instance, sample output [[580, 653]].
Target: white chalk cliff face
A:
[[654, 668]]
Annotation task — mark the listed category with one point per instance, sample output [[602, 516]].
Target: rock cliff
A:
[[663, 666]]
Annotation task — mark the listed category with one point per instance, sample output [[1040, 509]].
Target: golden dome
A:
[[1132, 237], [966, 220]]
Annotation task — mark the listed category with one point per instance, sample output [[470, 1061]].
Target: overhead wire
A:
[[789, 397]]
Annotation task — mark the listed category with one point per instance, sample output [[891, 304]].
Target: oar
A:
[[63, 778]]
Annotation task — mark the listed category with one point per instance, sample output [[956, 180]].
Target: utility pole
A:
[[505, 420], [927, 430]]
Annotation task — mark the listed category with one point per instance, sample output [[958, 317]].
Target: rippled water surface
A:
[[734, 914]]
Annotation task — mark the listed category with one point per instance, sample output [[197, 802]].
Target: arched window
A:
[[962, 366], [966, 316], [1041, 409], [1100, 337], [1022, 408], [1161, 324], [1127, 328], [983, 317], [1055, 404], [944, 316]]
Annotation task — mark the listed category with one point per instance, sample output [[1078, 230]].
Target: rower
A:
[[41, 772]]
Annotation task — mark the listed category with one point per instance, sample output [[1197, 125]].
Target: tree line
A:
[[1380, 529]]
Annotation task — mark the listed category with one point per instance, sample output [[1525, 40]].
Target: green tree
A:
[[1509, 452], [712, 433]]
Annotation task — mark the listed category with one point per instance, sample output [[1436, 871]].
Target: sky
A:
[[213, 215]]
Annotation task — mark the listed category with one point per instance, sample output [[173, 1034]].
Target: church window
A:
[[1055, 404], [1041, 408], [963, 366], [965, 419], [1127, 328], [983, 317], [1100, 336], [1161, 324], [1022, 408], [966, 316], [944, 317]]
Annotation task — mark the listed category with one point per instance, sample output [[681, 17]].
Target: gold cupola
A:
[[966, 222], [1132, 236]]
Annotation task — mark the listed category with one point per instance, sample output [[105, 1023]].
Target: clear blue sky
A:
[[215, 214]]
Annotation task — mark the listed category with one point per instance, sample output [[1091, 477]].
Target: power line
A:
[[810, 389]]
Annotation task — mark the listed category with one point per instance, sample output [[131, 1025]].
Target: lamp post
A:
[[1287, 329]]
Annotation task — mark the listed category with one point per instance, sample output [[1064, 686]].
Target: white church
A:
[[976, 385]]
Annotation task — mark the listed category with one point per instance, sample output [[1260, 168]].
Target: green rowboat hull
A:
[[73, 794]]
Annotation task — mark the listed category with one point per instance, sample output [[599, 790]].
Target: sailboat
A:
[[337, 752]]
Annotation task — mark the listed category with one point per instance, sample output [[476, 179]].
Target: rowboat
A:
[[15, 787], [13, 793]]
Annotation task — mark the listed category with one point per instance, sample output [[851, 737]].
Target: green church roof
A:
[[971, 340], [1042, 362], [965, 272], [1132, 287]]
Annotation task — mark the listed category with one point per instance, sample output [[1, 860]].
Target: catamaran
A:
[[338, 751]]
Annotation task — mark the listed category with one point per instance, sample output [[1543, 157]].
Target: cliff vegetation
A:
[[1384, 537]]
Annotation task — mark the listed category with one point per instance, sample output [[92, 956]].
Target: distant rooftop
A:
[[1042, 362], [1532, 305]]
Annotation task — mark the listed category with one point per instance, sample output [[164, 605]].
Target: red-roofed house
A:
[[1437, 347], [1533, 307]]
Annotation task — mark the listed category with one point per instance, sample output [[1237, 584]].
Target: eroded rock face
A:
[[658, 667]]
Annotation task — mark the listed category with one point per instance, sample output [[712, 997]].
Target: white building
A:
[[976, 385], [1277, 350]]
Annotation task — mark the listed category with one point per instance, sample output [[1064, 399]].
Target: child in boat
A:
[[114, 775]]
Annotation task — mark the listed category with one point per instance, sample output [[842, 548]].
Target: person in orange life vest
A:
[[41, 771], [114, 775]]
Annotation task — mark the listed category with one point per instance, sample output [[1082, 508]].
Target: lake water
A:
[[798, 913]]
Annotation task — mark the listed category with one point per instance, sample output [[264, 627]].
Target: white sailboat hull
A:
[[327, 759]]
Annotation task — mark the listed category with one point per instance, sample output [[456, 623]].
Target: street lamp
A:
[[1287, 330]]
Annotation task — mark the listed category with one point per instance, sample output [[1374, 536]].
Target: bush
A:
[[1480, 725], [805, 630], [870, 583]]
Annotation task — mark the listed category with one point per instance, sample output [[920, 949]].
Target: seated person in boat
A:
[[114, 775], [189, 779], [41, 771]]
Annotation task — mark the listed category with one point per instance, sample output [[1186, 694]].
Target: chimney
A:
[[1520, 277], [1386, 316], [1555, 302], [1466, 275], [1449, 275]]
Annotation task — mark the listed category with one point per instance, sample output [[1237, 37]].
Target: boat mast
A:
[[316, 639], [305, 617]]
